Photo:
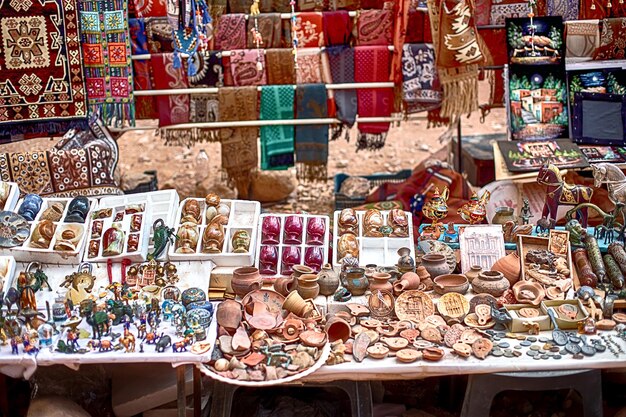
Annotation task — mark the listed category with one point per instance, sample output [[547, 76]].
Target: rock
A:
[[53, 406], [341, 163], [130, 180], [144, 159], [424, 147], [272, 186]]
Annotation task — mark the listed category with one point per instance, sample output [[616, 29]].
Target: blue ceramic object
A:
[[191, 295], [30, 207], [198, 317], [205, 305], [77, 210]]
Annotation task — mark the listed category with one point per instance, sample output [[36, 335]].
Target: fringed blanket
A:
[[311, 140], [419, 75], [173, 109]]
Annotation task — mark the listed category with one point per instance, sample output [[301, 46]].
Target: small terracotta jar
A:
[[473, 272], [284, 286], [245, 280], [298, 270], [408, 281], [328, 280], [422, 273], [490, 282], [381, 282], [338, 329], [356, 282], [503, 215], [370, 270], [308, 286], [509, 266], [436, 264]]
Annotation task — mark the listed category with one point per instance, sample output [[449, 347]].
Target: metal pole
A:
[[181, 401]]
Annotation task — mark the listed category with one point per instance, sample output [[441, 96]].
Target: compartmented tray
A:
[[527, 243], [7, 272], [120, 211], [312, 251], [563, 322], [517, 324], [480, 245], [163, 205], [381, 251], [74, 246], [12, 196], [244, 215]]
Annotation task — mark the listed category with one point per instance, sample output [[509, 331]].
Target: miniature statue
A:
[[187, 238], [241, 241], [532, 326], [475, 210], [128, 341], [15, 341], [525, 214], [576, 232], [559, 192], [213, 237], [113, 241], [512, 230], [161, 237], [72, 339]]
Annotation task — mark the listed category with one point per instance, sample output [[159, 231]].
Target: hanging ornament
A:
[[593, 5], [257, 38], [608, 4], [294, 34]]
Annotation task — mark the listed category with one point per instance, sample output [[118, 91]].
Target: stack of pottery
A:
[[308, 286], [328, 280], [245, 280], [490, 282]]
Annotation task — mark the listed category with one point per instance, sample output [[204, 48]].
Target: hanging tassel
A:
[[192, 69], [177, 62]]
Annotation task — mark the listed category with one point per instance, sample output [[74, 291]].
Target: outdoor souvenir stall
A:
[[425, 276]]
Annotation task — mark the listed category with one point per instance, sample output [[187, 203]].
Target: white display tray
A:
[[25, 252], [380, 251], [14, 195], [303, 246], [163, 205], [244, 215]]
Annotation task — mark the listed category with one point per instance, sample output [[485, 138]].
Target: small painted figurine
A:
[[15, 341], [475, 210], [113, 241], [72, 339], [29, 347], [525, 214], [561, 193], [128, 341]]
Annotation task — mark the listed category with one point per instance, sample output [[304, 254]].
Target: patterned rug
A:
[[40, 63]]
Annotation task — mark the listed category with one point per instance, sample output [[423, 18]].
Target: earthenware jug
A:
[[295, 304], [328, 280], [490, 282], [436, 264], [245, 280], [408, 281], [298, 270], [337, 328], [451, 283], [473, 272], [355, 281], [509, 266], [308, 286], [286, 285], [381, 282], [503, 215]]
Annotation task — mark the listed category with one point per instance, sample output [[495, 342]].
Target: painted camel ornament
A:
[[559, 192]]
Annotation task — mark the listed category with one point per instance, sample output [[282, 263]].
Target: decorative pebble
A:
[[518, 347], [542, 351], [497, 353], [574, 339], [525, 343], [563, 352], [508, 354], [520, 337], [537, 357], [554, 349], [557, 356], [517, 353], [531, 353], [534, 347], [548, 346], [531, 339], [544, 339], [545, 357], [504, 345], [578, 356], [496, 338]]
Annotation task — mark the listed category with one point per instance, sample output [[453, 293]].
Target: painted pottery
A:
[[308, 286], [617, 251], [348, 222], [355, 281], [293, 230], [347, 245], [93, 249], [613, 271], [187, 238], [96, 229], [503, 215], [245, 280], [509, 266], [285, 285], [408, 281], [77, 210], [240, 241], [42, 234], [291, 256], [113, 241], [191, 295], [328, 280], [337, 329], [529, 292], [490, 282], [314, 258], [451, 283], [381, 282], [315, 231], [372, 222], [473, 272], [135, 222], [229, 314], [54, 212], [191, 212], [399, 222], [436, 209], [405, 263], [270, 230], [30, 207], [586, 276], [268, 260], [133, 243], [474, 211], [213, 238], [435, 264]]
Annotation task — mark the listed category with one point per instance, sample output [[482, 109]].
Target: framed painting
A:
[[528, 156], [599, 119]]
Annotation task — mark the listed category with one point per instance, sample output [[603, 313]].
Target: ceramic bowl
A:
[[451, 283]]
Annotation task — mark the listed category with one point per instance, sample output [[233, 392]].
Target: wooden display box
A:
[[526, 243], [517, 325], [565, 324]]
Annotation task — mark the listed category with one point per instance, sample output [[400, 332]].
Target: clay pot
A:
[[451, 283], [381, 282], [490, 282], [308, 286], [229, 314], [370, 270], [509, 266], [337, 328], [299, 270], [284, 286], [422, 273], [405, 263], [328, 280], [245, 280], [295, 304], [436, 264], [527, 292], [473, 272], [408, 281], [355, 281], [503, 215]]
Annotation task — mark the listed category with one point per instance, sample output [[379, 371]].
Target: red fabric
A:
[[145, 106], [372, 4], [375, 27], [372, 64], [401, 20], [428, 34], [613, 39], [497, 89], [482, 12], [149, 8], [337, 27], [228, 76], [415, 27], [495, 40], [309, 29], [173, 109]]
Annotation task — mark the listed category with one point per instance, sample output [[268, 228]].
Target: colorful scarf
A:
[[566, 8], [309, 66], [216, 9], [612, 40], [494, 39], [150, 8], [239, 145], [204, 108], [210, 70], [401, 11], [42, 77], [582, 39], [341, 60], [145, 106], [375, 27], [277, 143], [371, 64], [231, 32], [311, 140], [270, 27], [173, 109], [309, 29], [337, 27], [280, 66], [159, 35], [458, 55], [508, 8], [245, 68], [419, 78], [106, 58]]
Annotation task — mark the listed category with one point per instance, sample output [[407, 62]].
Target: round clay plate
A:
[[408, 355], [273, 300], [481, 299], [472, 321], [14, 229], [453, 305], [619, 317], [321, 361], [414, 306]]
